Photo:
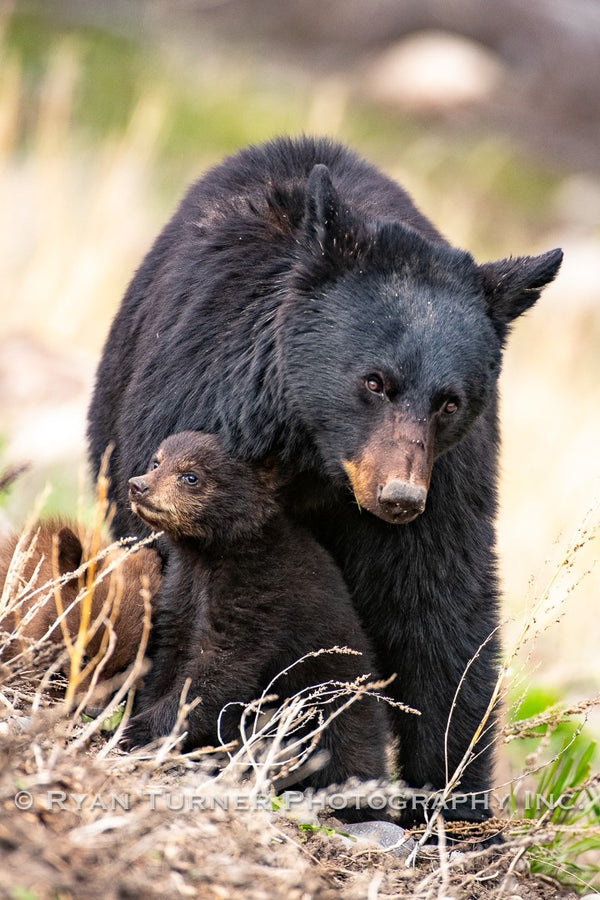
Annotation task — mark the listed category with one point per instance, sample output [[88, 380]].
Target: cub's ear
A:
[[321, 209], [511, 286], [70, 550]]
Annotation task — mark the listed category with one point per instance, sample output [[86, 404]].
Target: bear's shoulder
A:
[[269, 182]]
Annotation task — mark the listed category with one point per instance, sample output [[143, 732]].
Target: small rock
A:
[[14, 725], [385, 835], [434, 71]]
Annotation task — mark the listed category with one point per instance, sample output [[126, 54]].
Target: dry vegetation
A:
[[75, 222], [81, 818]]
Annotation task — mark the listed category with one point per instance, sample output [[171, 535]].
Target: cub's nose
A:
[[137, 487], [402, 501]]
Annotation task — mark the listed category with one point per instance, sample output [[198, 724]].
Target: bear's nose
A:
[[402, 500], [137, 487]]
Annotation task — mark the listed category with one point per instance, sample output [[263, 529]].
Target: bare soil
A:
[[76, 823]]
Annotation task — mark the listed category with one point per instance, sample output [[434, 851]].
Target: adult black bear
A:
[[298, 305], [246, 595]]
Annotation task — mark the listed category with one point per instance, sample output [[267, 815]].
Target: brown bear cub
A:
[[53, 550], [245, 594]]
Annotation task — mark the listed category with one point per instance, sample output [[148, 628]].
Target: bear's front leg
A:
[[151, 723]]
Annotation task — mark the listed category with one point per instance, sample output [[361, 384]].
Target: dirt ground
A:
[[78, 822]]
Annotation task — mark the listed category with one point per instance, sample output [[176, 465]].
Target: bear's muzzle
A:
[[390, 476]]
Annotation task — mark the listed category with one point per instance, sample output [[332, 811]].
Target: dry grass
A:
[[64, 253], [78, 811], [58, 653]]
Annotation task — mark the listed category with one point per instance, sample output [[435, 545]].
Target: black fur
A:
[[290, 274], [245, 595]]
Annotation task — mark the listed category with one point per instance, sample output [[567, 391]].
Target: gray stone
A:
[[385, 835], [14, 725]]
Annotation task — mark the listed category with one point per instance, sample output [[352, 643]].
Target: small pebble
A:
[[385, 835], [14, 725]]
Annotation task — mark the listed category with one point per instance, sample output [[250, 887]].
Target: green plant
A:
[[307, 828], [560, 810], [23, 894], [111, 722], [570, 795], [541, 723]]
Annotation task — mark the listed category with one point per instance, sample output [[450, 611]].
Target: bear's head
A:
[[195, 490], [392, 344]]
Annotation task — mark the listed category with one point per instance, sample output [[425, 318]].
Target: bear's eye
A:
[[374, 383], [155, 464], [450, 407], [189, 478]]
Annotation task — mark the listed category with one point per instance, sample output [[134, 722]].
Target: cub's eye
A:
[[374, 383], [450, 407], [189, 478], [155, 464]]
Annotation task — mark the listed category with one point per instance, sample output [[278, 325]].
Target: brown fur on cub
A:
[[57, 551], [246, 593]]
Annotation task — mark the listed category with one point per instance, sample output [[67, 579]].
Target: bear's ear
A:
[[332, 237], [321, 210], [70, 551], [511, 286]]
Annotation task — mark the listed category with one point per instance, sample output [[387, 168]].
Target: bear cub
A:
[[53, 550], [245, 595]]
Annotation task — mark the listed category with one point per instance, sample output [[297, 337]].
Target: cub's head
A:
[[392, 346], [195, 489]]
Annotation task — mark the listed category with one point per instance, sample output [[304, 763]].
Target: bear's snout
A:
[[391, 473], [402, 501], [137, 488]]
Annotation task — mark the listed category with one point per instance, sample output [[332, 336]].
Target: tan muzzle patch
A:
[[390, 477]]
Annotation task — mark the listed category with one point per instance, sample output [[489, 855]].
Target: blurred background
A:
[[489, 114]]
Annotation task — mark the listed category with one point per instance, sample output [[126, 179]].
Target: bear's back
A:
[[276, 173]]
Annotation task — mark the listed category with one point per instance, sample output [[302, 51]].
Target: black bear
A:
[[299, 305], [245, 596]]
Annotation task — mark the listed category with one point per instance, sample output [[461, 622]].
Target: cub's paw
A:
[[151, 723], [137, 733]]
